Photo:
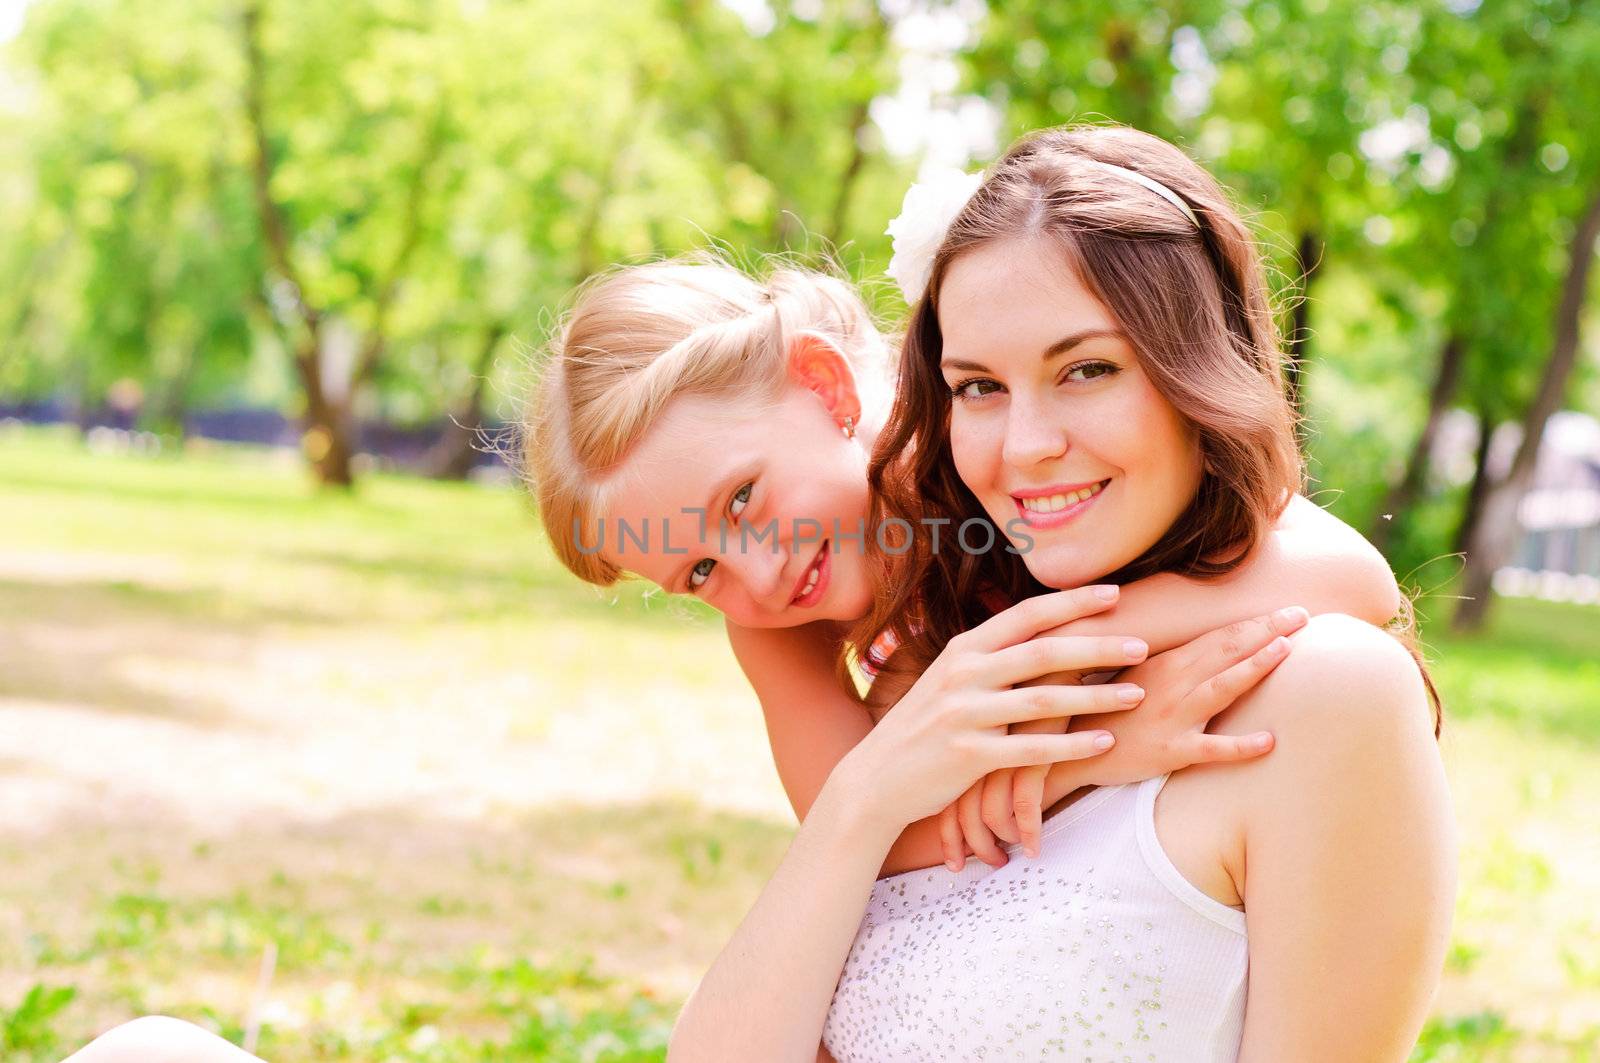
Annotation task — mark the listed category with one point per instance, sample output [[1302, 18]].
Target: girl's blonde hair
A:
[[638, 337]]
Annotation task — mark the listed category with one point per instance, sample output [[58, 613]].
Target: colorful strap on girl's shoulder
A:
[[878, 654], [883, 647]]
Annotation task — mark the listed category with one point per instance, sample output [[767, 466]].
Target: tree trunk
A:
[[1403, 494], [169, 407], [1308, 263], [329, 439], [328, 434], [1472, 510], [326, 441], [452, 456], [1492, 542], [847, 180], [329, 444]]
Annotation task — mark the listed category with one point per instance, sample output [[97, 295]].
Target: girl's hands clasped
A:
[[951, 727]]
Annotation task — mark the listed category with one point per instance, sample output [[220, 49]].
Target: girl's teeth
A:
[[1054, 503], [811, 581]]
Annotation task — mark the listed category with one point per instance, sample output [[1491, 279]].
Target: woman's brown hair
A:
[[1192, 297]]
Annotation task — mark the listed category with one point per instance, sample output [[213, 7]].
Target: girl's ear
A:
[[819, 366]]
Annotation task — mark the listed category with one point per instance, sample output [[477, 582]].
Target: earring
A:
[[849, 427]]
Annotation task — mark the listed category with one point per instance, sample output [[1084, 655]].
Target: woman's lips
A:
[[1054, 510], [803, 598]]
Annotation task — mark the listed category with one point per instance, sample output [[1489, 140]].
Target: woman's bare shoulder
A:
[[1349, 694], [1347, 674]]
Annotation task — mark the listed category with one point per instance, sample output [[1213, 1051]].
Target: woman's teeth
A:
[[1053, 503]]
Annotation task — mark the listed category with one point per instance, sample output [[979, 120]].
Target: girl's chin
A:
[[852, 607]]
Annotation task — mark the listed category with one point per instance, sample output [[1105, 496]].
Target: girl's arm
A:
[[1348, 853], [1311, 559], [812, 723]]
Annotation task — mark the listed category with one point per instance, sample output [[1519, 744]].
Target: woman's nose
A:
[[1032, 435]]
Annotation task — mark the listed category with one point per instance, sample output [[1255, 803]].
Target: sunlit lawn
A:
[[373, 772]]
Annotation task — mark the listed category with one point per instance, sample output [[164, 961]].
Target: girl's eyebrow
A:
[[1055, 350]]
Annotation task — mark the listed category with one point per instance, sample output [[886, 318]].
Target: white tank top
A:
[[1099, 950]]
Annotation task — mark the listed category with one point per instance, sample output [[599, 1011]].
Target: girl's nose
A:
[[759, 566]]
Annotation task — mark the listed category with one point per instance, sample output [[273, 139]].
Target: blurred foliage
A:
[[362, 211]]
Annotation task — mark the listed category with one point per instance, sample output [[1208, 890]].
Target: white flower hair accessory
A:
[[925, 216]]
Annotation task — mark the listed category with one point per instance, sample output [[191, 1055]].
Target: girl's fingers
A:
[[1202, 748], [1023, 704], [955, 857], [996, 805], [1218, 649], [1032, 615], [1027, 804], [1019, 750], [970, 815], [1061, 653], [1222, 690]]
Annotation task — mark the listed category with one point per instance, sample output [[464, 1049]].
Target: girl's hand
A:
[[963, 833], [1185, 688], [950, 729], [964, 827]]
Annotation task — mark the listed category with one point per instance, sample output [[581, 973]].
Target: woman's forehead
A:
[[1014, 297]]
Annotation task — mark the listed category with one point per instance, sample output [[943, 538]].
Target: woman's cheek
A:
[[966, 449]]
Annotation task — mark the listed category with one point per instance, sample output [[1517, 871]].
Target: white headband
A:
[[1152, 184], [931, 205]]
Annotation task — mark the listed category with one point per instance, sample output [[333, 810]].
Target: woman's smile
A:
[[1051, 507]]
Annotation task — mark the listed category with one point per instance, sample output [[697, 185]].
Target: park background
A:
[[304, 735]]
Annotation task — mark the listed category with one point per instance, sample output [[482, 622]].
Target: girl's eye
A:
[[1090, 370], [977, 388], [701, 572], [741, 498]]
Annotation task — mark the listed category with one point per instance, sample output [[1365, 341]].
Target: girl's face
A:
[[1054, 425], [758, 512]]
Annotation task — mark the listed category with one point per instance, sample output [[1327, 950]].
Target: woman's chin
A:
[[1065, 569]]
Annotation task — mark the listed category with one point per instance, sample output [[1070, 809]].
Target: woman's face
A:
[[758, 512], [1054, 425]]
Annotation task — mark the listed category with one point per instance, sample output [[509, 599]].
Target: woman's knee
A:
[[159, 1039]]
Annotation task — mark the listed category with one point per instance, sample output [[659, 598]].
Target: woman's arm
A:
[[767, 994], [1348, 853], [1311, 559]]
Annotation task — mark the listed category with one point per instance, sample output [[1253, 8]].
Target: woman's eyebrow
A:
[[1055, 350]]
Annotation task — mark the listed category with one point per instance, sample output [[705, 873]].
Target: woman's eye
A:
[[1090, 370], [974, 389], [741, 498], [701, 572]]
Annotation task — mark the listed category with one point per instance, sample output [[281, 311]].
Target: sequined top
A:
[[1098, 950]]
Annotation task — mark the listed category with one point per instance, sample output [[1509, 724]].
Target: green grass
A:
[[475, 810]]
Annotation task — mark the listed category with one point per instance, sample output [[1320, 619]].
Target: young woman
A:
[[684, 395], [1093, 372]]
